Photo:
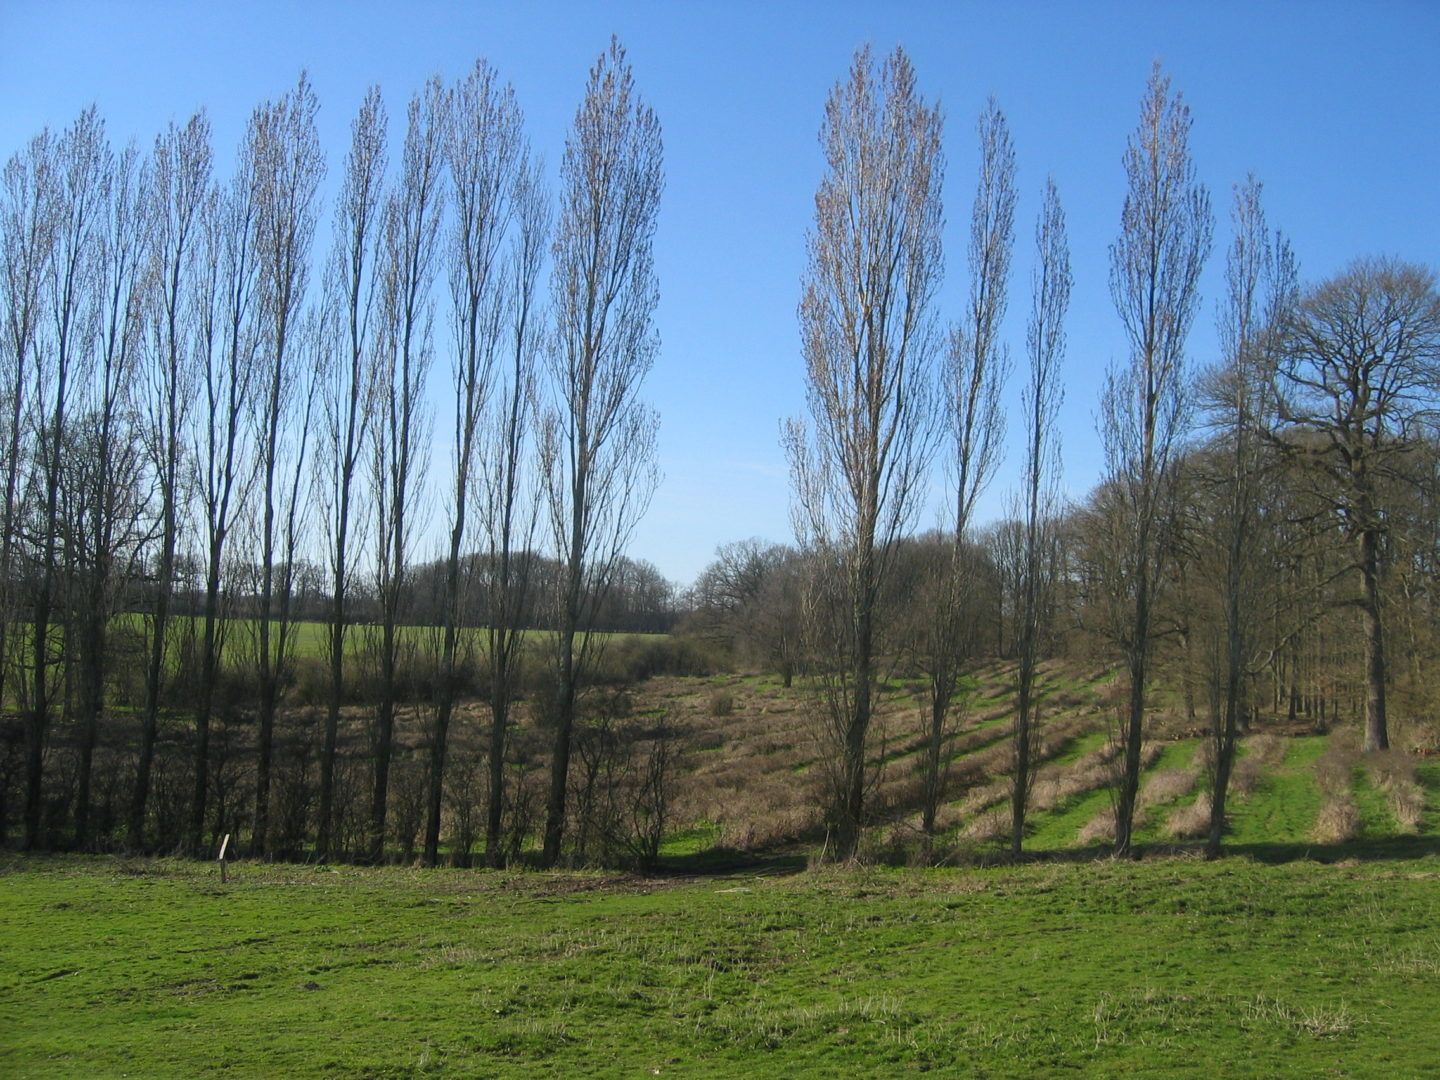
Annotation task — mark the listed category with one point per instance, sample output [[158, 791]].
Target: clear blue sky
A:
[[1336, 106]]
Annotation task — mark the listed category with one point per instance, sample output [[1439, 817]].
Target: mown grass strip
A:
[[1283, 807], [1058, 828], [1079, 746], [1376, 818]]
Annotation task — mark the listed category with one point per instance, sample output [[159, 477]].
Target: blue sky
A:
[[1335, 106]]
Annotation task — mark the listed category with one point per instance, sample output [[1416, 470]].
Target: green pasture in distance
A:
[[312, 638]]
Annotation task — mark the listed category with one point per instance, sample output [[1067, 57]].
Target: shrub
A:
[[1190, 821], [310, 681], [1393, 772], [1166, 785], [623, 787], [627, 660], [1339, 819]]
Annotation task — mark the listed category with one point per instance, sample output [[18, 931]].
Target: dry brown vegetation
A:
[[752, 767], [1262, 753], [750, 772], [1190, 821], [749, 775], [744, 769], [1339, 818]]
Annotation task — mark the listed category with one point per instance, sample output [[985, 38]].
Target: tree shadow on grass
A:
[[719, 862], [1377, 849]]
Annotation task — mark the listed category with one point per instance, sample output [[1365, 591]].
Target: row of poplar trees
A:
[[1319, 409], [188, 383]]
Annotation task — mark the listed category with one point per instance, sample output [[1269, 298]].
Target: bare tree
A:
[[1045, 345], [874, 264], [179, 187], [977, 362], [977, 365], [1260, 288], [485, 151], [109, 467], [1165, 233], [285, 149], [510, 492], [748, 600], [1359, 378], [27, 244], [411, 224], [599, 455], [225, 359], [348, 398], [82, 177]]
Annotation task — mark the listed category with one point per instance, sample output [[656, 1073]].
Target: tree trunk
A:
[[1224, 762], [567, 690], [384, 740], [438, 738], [39, 721], [264, 753], [209, 668], [154, 678], [939, 709], [92, 698], [1376, 735], [499, 717], [1230, 722], [324, 837], [851, 820], [444, 707], [1020, 784], [1130, 782], [560, 751]]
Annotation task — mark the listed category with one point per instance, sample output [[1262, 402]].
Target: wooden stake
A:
[[224, 847]]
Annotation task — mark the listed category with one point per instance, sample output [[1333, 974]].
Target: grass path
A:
[[1376, 818], [1057, 828], [1283, 808], [1078, 747]]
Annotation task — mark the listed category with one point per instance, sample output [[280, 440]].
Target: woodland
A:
[[226, 609]]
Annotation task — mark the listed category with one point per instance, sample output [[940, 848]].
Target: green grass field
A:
[[312, 639], [1166, 967]]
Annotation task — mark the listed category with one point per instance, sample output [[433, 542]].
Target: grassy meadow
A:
[[1165, 967]]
